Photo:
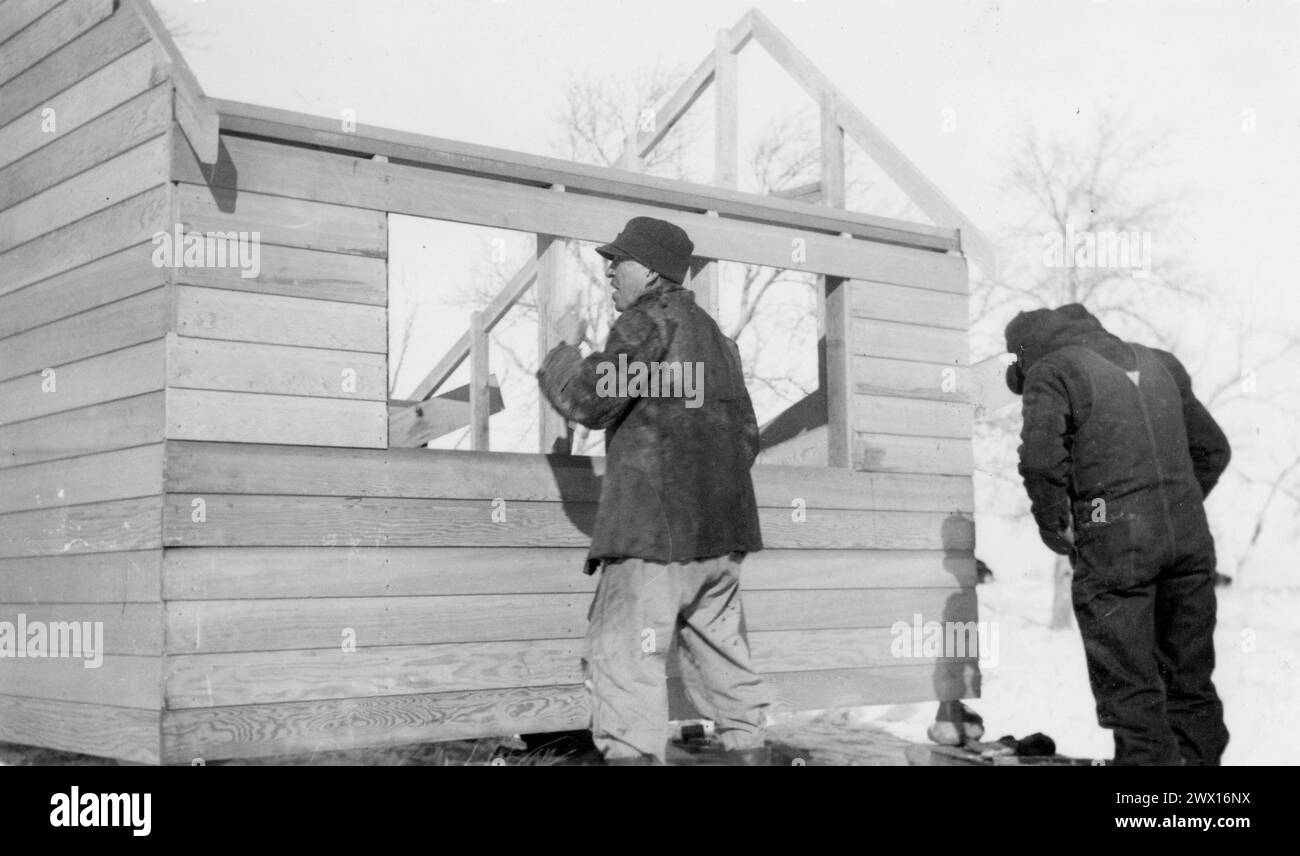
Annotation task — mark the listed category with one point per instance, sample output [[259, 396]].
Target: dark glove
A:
[[1061, 543]]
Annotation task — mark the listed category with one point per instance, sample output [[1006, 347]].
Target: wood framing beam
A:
[[479, 393], [554, 288], [832, 154], [928, 197], [726, 126], [195, 113], [671, 110]]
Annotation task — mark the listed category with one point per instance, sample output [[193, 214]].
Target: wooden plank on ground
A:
[[881, 376], [216, 626], [216, 313], [899, 454], [103, 281], [295, 272], [947, 307], [50, 32], [116, 578], [236, 573], [889, 414], [130, 222], [124, 524], [113, 425], [121, 628], [122, 680], [121, 129], [254, 520], [319, 726], [121, 177], [131, 321], [910, 342], [121, 80], [227, 417], [214, 364], [264, 167], [122, 474], [446, 474], [125, 733], [119, 374], [288, 222]]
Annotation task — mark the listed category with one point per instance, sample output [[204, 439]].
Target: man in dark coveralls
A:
[[677, 511], [1117, 456]]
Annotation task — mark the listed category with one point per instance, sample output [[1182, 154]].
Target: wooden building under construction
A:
[[210, 465]]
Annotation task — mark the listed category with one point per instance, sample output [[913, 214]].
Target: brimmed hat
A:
[[659, 245]]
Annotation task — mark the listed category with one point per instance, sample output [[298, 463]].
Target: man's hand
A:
[[570, 328], [1061, 542]]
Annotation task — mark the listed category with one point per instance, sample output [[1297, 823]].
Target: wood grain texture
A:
[[132, 321], [126, 524], [128, 628], [941, 303], [117, 178], [50, 32], [121, 80], [130, 222], [881, 376], [899, 454], [443, 474], [236, 573], [288, 222], [295, 272], [115, 578], [198, 627], [215, 313], [910, 342], [121, 680], [122, 474], [16, 14], [275, 369], [246, 520], [887, 414], [263, 167], [91, 729], [194, 414], [144, 117], [113, 425], [118, 374]]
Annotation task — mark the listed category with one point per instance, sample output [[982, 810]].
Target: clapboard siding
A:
[[236, 573], [131, 321], [213, 364], [261, 167], [217, 313], [296, 272], [122, 680], [443, 474], [900, 454], [103, 281], [121, 80], [125, 524], [17, 14], [881, 414], [113, 425], [899, 341], [908, 379], [134, 628], [117, 374], [121, 474], [49, 32], [109, 578], [948, 308], [253, 418], [91, 729]]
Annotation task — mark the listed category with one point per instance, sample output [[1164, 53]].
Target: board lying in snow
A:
[[975, 754]]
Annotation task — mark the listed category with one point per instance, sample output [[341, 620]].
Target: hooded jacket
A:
[[1114, 443], [679, 442]]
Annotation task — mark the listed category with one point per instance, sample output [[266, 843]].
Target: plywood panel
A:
[[253, 418], [295, 272], [119, 374], [899, 454], [262, 167], [119, 81], [250, 520], [195, 627], [132, 321], [879, 376], [127, 628], [122, 474], [947, 307], [124, 577], [910, 342], [276, 369], [225, 573], [118, 178], [113, 425], [290, 222], [127, 524], [881, 414], [130, 222], [429, 473], [49, 32], [121, 680], [91, 729], [213, 313], [98, 283]]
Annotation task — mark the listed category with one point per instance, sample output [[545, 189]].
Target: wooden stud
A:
[[479, 394]]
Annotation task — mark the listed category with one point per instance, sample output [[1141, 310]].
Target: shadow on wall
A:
[[956, 678]]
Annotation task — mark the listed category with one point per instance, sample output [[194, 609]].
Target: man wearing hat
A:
[[677, 512], [1117, 457]]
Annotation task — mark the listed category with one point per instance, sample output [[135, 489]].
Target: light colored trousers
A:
[[640, 610]]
